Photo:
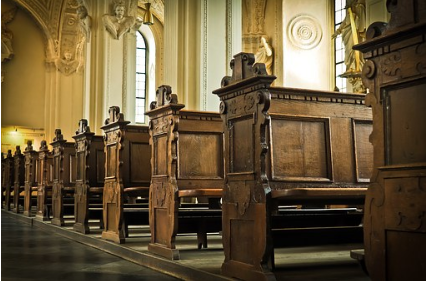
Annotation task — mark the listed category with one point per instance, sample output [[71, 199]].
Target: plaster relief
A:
[[119, 24], [304, 32]]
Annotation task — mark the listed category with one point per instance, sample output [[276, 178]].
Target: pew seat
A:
[[201, 192], [337, 195]]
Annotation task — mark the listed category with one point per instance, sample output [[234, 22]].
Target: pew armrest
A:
[[211, 192]]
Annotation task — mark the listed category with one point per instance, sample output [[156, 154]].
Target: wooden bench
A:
[[90, 173], [3, 179], [19, 179], [44, 182], [187, 161], [64, 176], [395, 207], [127, 169], [286, 146], [30, 187], [8, 179]]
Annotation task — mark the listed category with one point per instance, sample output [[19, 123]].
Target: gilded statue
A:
[[353, 31]]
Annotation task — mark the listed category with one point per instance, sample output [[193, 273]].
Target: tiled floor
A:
[[31, 253], [34, 250]]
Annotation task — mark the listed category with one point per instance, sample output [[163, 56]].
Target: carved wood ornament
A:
[[83, 139], [394, 72], [164, 122], [30, 176], [245, 100], [113, 186]]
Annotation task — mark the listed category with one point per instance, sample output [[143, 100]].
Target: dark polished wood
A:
[[44, 182], [285, 146], [395, 207], [30, 189], [19, 179], [90, 173], [187, 161], [127, 166], [8, 179], [64, 176]]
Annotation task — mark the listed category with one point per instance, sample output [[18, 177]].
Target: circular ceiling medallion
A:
[[304, 31]]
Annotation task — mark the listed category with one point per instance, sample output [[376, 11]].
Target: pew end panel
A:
[[90, 172], [64, 176], [113, 187], [245, 100], [19, 179], [394, 73], [31, 167], [187, 151], [8, 179], [44, 182], [127, 170]]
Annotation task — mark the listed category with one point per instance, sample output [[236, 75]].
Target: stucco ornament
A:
[[119, 24], [304, 32]]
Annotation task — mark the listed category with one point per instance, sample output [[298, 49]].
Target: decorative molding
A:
[[229, 24], [205, 53], [125, 72], [304, 31]]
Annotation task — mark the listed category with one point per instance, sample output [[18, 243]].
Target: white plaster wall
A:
[[308, 68]]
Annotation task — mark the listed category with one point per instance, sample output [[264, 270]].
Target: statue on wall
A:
[[85, 22], [67, 64], [118, 24], [7, 35], [265, 55], [353, 31]]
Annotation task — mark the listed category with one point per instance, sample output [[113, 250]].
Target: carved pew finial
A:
[[9, 153], [83, 127], [29, 146], [164, 96], [18, 150], [43, 145], [115, 115], [58, 135], [244, 67]]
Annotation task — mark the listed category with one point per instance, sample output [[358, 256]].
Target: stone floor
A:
[[58, 253]]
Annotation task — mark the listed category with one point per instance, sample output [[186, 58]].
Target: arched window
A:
[[340, 13], [141, 78]]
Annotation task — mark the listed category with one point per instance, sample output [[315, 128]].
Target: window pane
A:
[[141, 72]]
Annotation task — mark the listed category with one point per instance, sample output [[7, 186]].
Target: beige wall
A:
[[23, 86]]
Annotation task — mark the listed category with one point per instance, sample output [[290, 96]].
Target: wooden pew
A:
[[44, 182], [127, 169], [285, 146], [30, 189], [186, 161], [19, 179], [395, 207], [64, 176], [90, 173], [3, 183], [8, 179]]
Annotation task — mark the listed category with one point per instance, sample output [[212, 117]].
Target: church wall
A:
[[23, 81], [307, 45]]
